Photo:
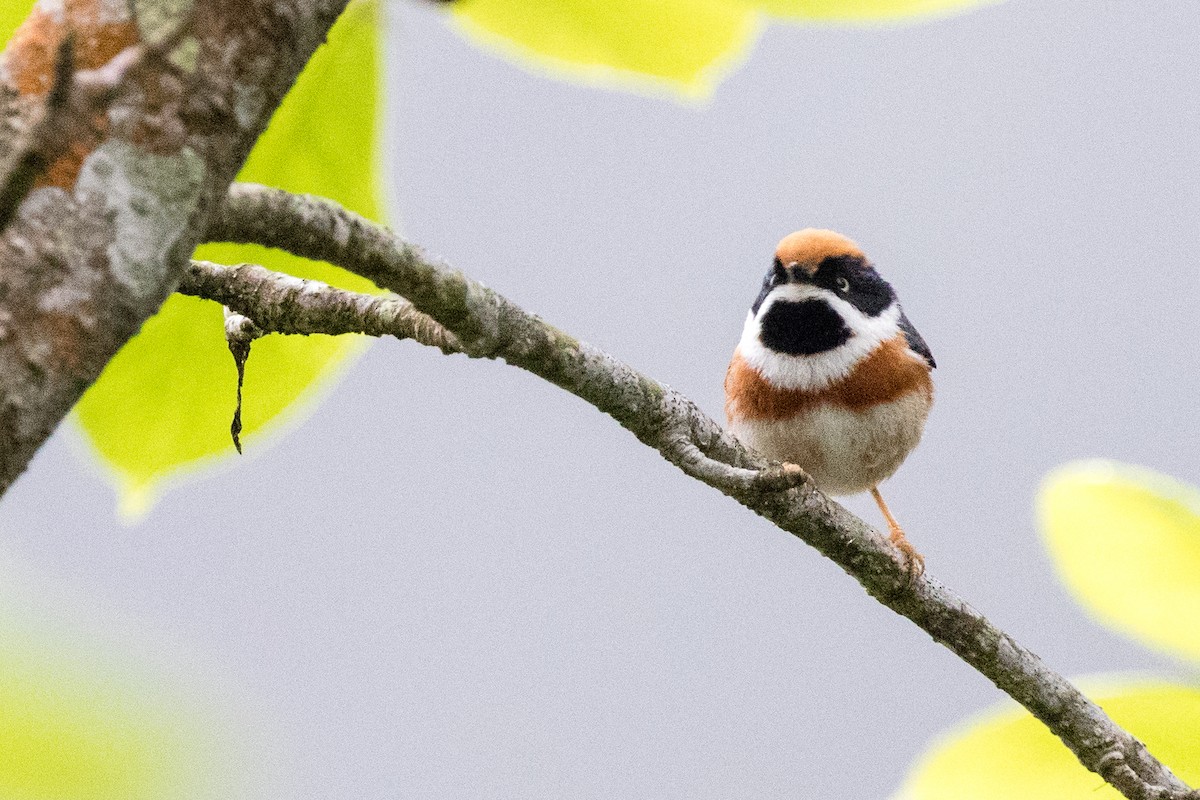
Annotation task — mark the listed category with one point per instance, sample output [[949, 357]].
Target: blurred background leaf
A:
[[88, 715], [1126, 541], [680, 45], [861, 11], [683, 46], [12, 12], [163, 406], [1007, 754], [66, 733]]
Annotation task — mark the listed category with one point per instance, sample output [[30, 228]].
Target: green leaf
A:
[[1009, 755], [860, 11], [65, 735], [12, 14], [684, 46], [163, 406], [80, 723], [1126, 542]]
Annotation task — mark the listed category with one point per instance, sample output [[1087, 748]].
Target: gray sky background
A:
[[455, 580]]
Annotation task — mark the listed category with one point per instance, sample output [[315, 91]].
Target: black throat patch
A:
[[802, 328]]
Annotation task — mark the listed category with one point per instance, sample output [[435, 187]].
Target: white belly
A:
[[845, 451]]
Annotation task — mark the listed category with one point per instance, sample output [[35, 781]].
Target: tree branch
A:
[[488, 325], [112, 155], [44, 140], [275, 303], [71, 107]]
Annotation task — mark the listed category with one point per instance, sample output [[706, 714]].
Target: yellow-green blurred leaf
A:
[[678, 44], [163, 406], [12, 13], [79, 722], [1127, 543], [682, 45], [64, 736], [863, 10], [1008, 755]]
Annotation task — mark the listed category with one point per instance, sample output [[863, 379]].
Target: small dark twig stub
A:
[[240, 354], [240, 331]]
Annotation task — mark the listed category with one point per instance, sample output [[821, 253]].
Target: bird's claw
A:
[[780, 477], [914, 561]]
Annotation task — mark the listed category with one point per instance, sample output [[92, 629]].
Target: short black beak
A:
[[798, 274]]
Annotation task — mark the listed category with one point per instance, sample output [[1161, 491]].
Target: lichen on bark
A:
[[150, 199]]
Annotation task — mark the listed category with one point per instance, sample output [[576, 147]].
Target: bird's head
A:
[[822, 309]]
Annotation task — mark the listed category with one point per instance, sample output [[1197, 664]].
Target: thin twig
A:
[[277, 303], [488, 325], [286, 304]]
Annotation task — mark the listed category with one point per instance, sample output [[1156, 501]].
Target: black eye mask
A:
[[868, 292], [775, 276]]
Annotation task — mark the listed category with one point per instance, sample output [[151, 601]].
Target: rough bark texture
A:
[[274, 303], [103, 237], [489, 326]]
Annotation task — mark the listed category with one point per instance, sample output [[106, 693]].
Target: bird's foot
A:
[[914, 561]]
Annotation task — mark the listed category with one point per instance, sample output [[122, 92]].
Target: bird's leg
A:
[[916, 561]]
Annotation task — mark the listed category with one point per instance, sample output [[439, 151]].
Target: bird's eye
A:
[[778, 275], [842, 284]]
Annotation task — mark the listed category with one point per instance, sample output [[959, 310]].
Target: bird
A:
[[829, 374]]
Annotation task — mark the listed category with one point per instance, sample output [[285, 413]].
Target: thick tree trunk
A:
[[178, 94]]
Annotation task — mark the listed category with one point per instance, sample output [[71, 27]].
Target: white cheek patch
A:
[[819, 370]]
